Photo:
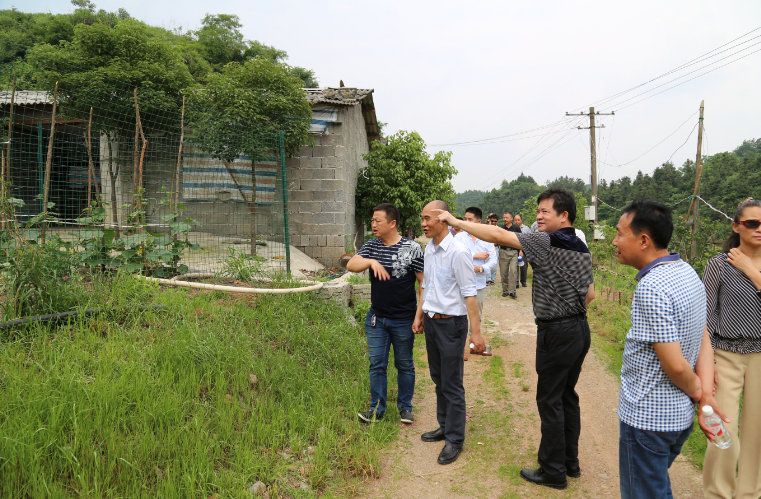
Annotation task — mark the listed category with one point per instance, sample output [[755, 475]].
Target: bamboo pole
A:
[[49, 165], [7, 167], [142, 156], [176, 177], [134, 154], [90, 167]]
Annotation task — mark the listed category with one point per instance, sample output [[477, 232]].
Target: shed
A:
[[322, 180]]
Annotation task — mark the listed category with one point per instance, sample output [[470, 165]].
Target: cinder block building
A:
[[322, 180]]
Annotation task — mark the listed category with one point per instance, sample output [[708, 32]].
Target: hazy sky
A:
[[465, 71]]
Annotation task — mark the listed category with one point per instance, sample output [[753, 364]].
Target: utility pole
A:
[[593, 153], [692, 215]]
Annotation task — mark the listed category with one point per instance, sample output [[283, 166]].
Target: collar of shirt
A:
[[670, 258], [444, 244]]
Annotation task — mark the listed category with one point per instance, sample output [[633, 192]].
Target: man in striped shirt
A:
[[562, 289]]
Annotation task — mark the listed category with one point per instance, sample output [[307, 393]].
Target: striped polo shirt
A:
[[562, 267]]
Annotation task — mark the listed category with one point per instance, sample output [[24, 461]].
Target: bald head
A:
[[436, 205]]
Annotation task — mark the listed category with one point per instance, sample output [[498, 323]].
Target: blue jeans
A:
[[380, 337], [644, 458]]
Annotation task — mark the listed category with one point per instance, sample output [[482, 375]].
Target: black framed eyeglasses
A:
[[751, 224]]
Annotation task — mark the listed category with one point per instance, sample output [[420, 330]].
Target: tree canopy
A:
[[258, 94], [102, 65], [402, 172], [206, 50]]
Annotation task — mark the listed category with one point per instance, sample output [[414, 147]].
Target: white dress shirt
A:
[[488, 264], [448, 277], [474, 247]]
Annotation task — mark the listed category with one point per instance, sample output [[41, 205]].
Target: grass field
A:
[[201, 398]]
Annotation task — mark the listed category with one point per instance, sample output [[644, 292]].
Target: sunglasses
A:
[[750, 224]]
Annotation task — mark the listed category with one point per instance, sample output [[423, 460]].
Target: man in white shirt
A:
[[484, 260], [449, 300], [522, 266]]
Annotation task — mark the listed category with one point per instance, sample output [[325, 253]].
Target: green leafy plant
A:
[[241, 266]]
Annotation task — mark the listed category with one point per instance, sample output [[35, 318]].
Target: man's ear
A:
[[645, 241]]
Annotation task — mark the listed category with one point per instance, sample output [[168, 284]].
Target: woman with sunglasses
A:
[[733, 292]]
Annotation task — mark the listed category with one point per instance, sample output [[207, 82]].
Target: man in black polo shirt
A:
[[508, 259], [562, 289], [395, 263]]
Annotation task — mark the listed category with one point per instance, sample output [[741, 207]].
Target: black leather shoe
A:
[[436, 435], [504, 295], [539, 477], [573, 471], [449, 454], [514, 296]]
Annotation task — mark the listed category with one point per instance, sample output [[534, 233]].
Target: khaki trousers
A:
[[508, 266], [738, 374]]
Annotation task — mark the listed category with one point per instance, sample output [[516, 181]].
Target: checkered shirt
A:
[[669, 305]]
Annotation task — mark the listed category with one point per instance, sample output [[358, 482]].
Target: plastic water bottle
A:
[[716, 425], [520, 259]]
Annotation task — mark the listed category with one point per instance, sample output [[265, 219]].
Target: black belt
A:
[[559, 320]]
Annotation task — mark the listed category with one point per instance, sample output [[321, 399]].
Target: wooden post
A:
[[7, 166], [176, 177], [692, 213], [49, 165], [593, 149], [90, 167]]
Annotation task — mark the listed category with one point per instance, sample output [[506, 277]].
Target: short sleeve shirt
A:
[[669, 305], [562, 272], [394, 298]]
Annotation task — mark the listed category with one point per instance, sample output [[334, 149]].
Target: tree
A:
[[404, 174], [221, 40], [101, 67], [511, 195], [257, 95], [469, 198]]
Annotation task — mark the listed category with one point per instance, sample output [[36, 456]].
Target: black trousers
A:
[[560, 352], [445, 340]]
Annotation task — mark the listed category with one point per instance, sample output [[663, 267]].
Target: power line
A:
[[506, 171], [686, 64], [500, 137], [465, 144], [682, 76]]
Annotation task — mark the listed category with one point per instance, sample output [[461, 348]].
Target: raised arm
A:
[[485, 232]]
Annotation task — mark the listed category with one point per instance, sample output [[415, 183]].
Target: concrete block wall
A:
[[322, 183]]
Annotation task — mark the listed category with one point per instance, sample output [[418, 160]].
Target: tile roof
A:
[[26, 97], [341, 95]]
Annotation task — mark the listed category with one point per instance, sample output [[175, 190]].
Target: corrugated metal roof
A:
[[26, 97], [343, 95]]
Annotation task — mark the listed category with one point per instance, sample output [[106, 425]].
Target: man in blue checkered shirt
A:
[[658, 384]]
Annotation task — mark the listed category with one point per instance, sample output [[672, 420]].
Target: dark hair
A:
[[492, 216], [518, 215], [733, 241], [392, 214], [459, 218], [652, 218], [507, 213], [562, 200], [476, 211]]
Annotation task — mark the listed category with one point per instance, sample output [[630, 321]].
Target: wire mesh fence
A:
[[120, 176]]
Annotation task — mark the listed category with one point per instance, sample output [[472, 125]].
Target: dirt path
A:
[[502, 434]]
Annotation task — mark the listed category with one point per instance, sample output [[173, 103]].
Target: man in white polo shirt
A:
[[449, 300]]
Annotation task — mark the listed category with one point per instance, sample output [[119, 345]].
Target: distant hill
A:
[[469, 198]]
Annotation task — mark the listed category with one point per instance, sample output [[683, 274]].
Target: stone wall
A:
[[322, 183]]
